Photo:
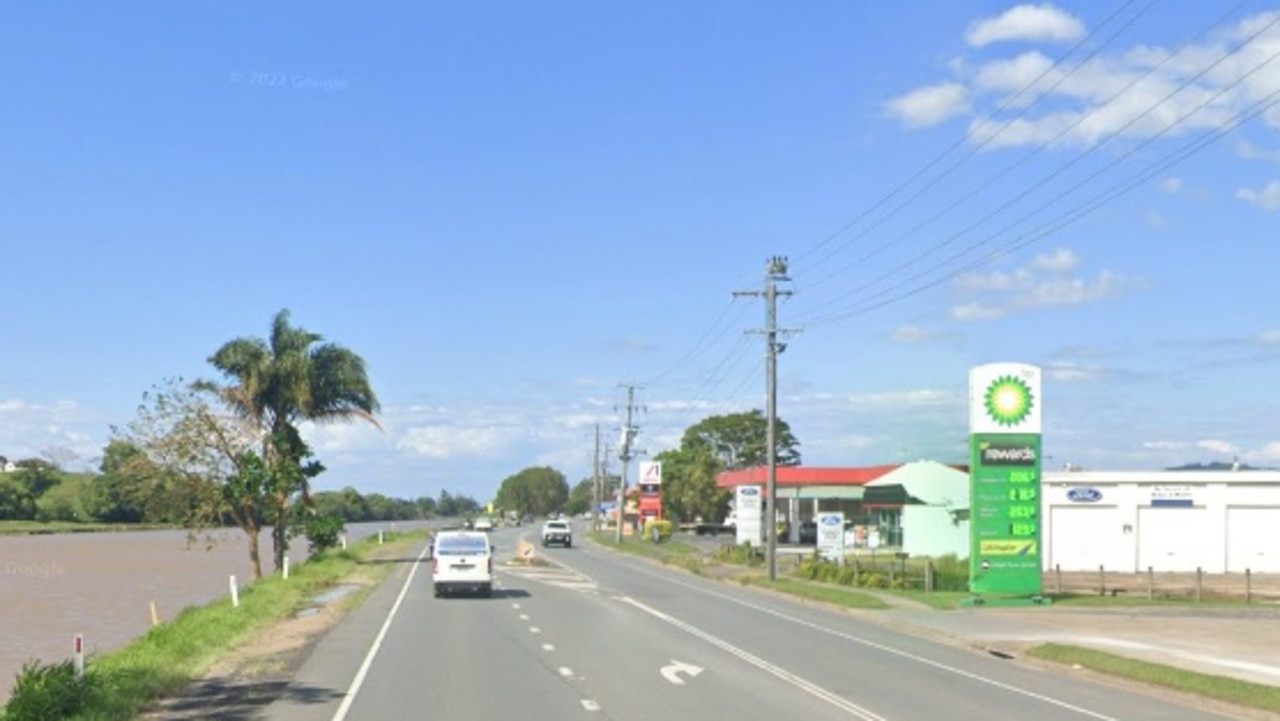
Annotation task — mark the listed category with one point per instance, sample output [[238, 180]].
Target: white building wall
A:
[[933, 531], [1169, 521]]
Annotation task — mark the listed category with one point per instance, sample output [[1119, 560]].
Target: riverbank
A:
[[274, 617]]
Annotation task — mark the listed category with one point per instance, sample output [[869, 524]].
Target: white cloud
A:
[[1026, 22], [1249, 151], [976, 311], [1172, 186], [1138, 92], [1217, 446], [1267, 198], [1041, 284], [1268, 337], [1074, 373], [1060, 260], [914, 334], [929, 106], [1154, 219], [27, 429], [1271, 451], [449, 443]]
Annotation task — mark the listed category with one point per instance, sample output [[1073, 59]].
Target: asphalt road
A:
[[604, 636]]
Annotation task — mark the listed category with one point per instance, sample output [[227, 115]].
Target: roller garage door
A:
[[1177, 539], [1085, 537], [1252, 540]]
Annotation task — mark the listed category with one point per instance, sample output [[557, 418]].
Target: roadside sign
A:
[[831, 536]]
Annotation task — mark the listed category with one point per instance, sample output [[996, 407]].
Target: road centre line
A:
[[804, 685], [358, 681], [888, 649]]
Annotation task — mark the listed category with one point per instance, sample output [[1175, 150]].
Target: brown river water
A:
[[101, 585]]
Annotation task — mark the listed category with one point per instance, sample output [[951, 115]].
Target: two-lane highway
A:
[[600, 635]]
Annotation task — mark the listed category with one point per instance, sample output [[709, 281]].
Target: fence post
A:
[[928, 575], [1199, 583], [1248, 586], [235, 593], [1151, 583], [78, 651], [1102, 580], [1057, 572]]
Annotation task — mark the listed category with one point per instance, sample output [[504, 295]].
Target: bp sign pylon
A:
[[1004, 483]]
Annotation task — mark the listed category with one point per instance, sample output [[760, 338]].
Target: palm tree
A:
[[281, 382]]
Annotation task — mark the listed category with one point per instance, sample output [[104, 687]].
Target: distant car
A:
[[809, 532], [484, 523], [557, 532], [462, 562]]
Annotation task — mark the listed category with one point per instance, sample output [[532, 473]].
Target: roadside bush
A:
[[847, 576], [324, 532], [664, 529], [742, 555], [950, 573], [47, 692]]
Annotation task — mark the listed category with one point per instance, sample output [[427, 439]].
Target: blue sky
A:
[[511, 209]]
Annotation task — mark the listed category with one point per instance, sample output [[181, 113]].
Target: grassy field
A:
[[844, 596], [172, 654], [1240, 693]]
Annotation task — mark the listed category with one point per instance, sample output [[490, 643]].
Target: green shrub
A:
[[847, 576], [664, 529], [47, 693], [324, 532], [742, 555]]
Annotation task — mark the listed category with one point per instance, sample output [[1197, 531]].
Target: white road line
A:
[[516, 606], [534, 629], [804, 685], [358, 681], [548, 647], [891, 650], [590, 705], [565, 671], [524, 617]]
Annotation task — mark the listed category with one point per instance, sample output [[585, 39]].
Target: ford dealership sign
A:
[[1084, 495]]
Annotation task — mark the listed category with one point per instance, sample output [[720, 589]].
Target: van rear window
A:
[[460, 545]]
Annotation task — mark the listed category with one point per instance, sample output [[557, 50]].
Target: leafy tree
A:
[[581, 497], [16, 501], [198, 466], [739, 440], [278, 383], [451, 506], [712, 445], [534, 491], [37, 476], [118, 495]]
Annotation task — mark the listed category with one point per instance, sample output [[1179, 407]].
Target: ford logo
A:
[[749, 491], [1084, 495], [830, 520]]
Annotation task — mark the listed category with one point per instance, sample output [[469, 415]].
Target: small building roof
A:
[[804, 476]]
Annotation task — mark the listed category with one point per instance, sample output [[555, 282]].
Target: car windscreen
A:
[[557, 527], [460, 546]]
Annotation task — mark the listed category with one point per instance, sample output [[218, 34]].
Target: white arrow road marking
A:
[[672, 672], [805, 685]]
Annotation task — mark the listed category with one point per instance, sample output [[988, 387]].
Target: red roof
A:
[[804, 476]]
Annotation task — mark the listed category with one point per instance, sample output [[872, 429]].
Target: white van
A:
[[462, 561]]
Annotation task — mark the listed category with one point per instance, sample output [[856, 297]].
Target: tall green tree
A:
[[581, 497], [276, 384], [712, 445], [740, 440], [536, 491]]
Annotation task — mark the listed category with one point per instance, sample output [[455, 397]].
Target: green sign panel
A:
[[1004, 515]]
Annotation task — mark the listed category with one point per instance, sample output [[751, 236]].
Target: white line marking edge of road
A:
[[358, 681]]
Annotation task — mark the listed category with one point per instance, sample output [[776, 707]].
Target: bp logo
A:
[[1008, 400]]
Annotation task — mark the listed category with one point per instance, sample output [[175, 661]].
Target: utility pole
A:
[[595, 484], [625, 454], [775, 272]]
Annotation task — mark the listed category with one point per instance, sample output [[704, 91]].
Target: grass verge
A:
[[1230, 690], [827, 593], [169, 656]]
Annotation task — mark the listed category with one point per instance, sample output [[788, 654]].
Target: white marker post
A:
[[286, 567], [379, 538], [78, 651], [235, 593], [344, 541]]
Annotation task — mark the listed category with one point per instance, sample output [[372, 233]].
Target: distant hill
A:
[[1219, 466]]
